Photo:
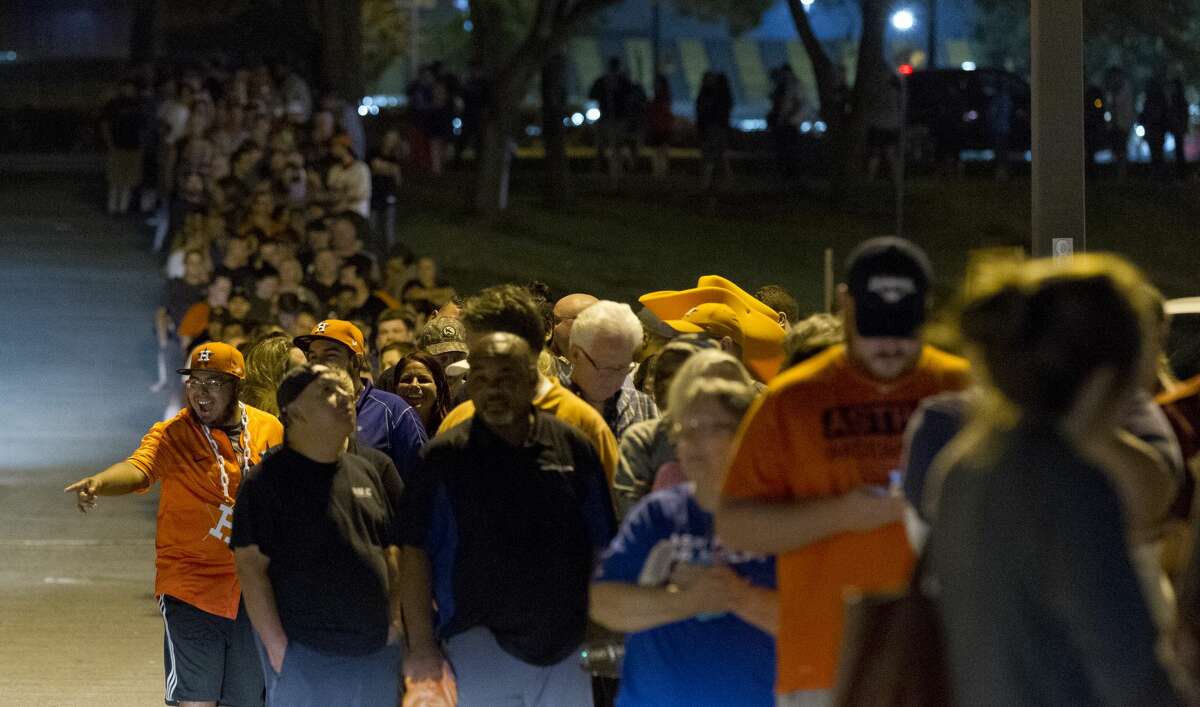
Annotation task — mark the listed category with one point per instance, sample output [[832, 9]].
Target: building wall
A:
[[689, 47]]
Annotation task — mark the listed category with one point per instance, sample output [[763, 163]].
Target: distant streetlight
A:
[[807, 3], [904, 20]]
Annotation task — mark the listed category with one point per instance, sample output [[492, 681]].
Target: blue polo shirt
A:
[[387, 423], [719, 660]]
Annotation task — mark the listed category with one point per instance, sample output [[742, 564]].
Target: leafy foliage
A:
[[1143, 35], [385, 36]]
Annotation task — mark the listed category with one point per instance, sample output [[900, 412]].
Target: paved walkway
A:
[[77, 293]]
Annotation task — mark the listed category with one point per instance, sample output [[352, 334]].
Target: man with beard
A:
[[315, 538], [510, 509], [809, 478], [201, 456]]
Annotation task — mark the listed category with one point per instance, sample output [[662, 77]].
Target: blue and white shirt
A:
[[706, 660]]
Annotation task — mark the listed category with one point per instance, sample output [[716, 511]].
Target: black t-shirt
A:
[[512, 533], [325, 528]]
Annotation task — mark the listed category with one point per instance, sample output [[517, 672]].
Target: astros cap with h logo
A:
[[337, 330], [216, 357]]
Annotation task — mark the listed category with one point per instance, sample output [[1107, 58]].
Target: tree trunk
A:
[[847, 134], [501, 114], [494, 163], [556, 188], [509, 74], [829, 87], [849, 142], [340, 23]]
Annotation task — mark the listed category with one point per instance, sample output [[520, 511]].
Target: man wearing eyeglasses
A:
[[604, 339], [201, 456], [565, 312]]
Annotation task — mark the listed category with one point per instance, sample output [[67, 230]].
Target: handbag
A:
[[893, 651]]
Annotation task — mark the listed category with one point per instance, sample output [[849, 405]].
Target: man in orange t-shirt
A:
[[809, 480], [200, 456]]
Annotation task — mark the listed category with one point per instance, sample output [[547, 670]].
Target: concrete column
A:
[[1059, 198]]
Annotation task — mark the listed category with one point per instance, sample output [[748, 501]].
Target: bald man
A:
[[513, 512], [565, 311]]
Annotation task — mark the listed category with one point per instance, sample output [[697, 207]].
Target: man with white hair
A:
[[604, 339]]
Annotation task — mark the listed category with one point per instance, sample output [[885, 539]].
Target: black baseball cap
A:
[[888, 277]]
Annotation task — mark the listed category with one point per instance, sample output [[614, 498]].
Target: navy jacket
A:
[[387, 423]]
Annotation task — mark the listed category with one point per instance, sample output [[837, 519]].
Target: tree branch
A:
[[822, 65]]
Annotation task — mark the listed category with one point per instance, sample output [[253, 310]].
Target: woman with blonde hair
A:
[[267, 362], [1043, 492]]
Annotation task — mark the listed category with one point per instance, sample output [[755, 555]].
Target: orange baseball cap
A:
[[337, 330], [216, 357], [712, 318]]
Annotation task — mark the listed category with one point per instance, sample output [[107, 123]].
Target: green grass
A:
[[649, 236]]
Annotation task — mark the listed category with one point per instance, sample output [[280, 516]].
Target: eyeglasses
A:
[[212, 385], [611, 370], [699, 429]]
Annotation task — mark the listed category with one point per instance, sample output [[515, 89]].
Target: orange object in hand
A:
[[442, 692]]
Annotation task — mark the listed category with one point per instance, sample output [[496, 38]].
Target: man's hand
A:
[[395, 632], [276, 650], [865, 511], [423, 662], [86, 491], [707, 590]]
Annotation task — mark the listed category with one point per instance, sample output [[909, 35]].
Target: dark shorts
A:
[[310, 678], [209, 658]]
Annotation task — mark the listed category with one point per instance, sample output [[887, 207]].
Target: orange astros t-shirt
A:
[[193, 560], [823, 429]]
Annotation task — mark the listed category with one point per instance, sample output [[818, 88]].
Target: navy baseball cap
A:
[[888, 277]]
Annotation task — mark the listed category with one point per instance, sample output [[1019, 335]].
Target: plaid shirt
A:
[[628, 407]]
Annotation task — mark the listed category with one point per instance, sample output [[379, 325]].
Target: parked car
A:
[[1183, 338]]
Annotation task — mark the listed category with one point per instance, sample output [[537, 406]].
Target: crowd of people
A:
[[1112, 114], [372, 485]]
